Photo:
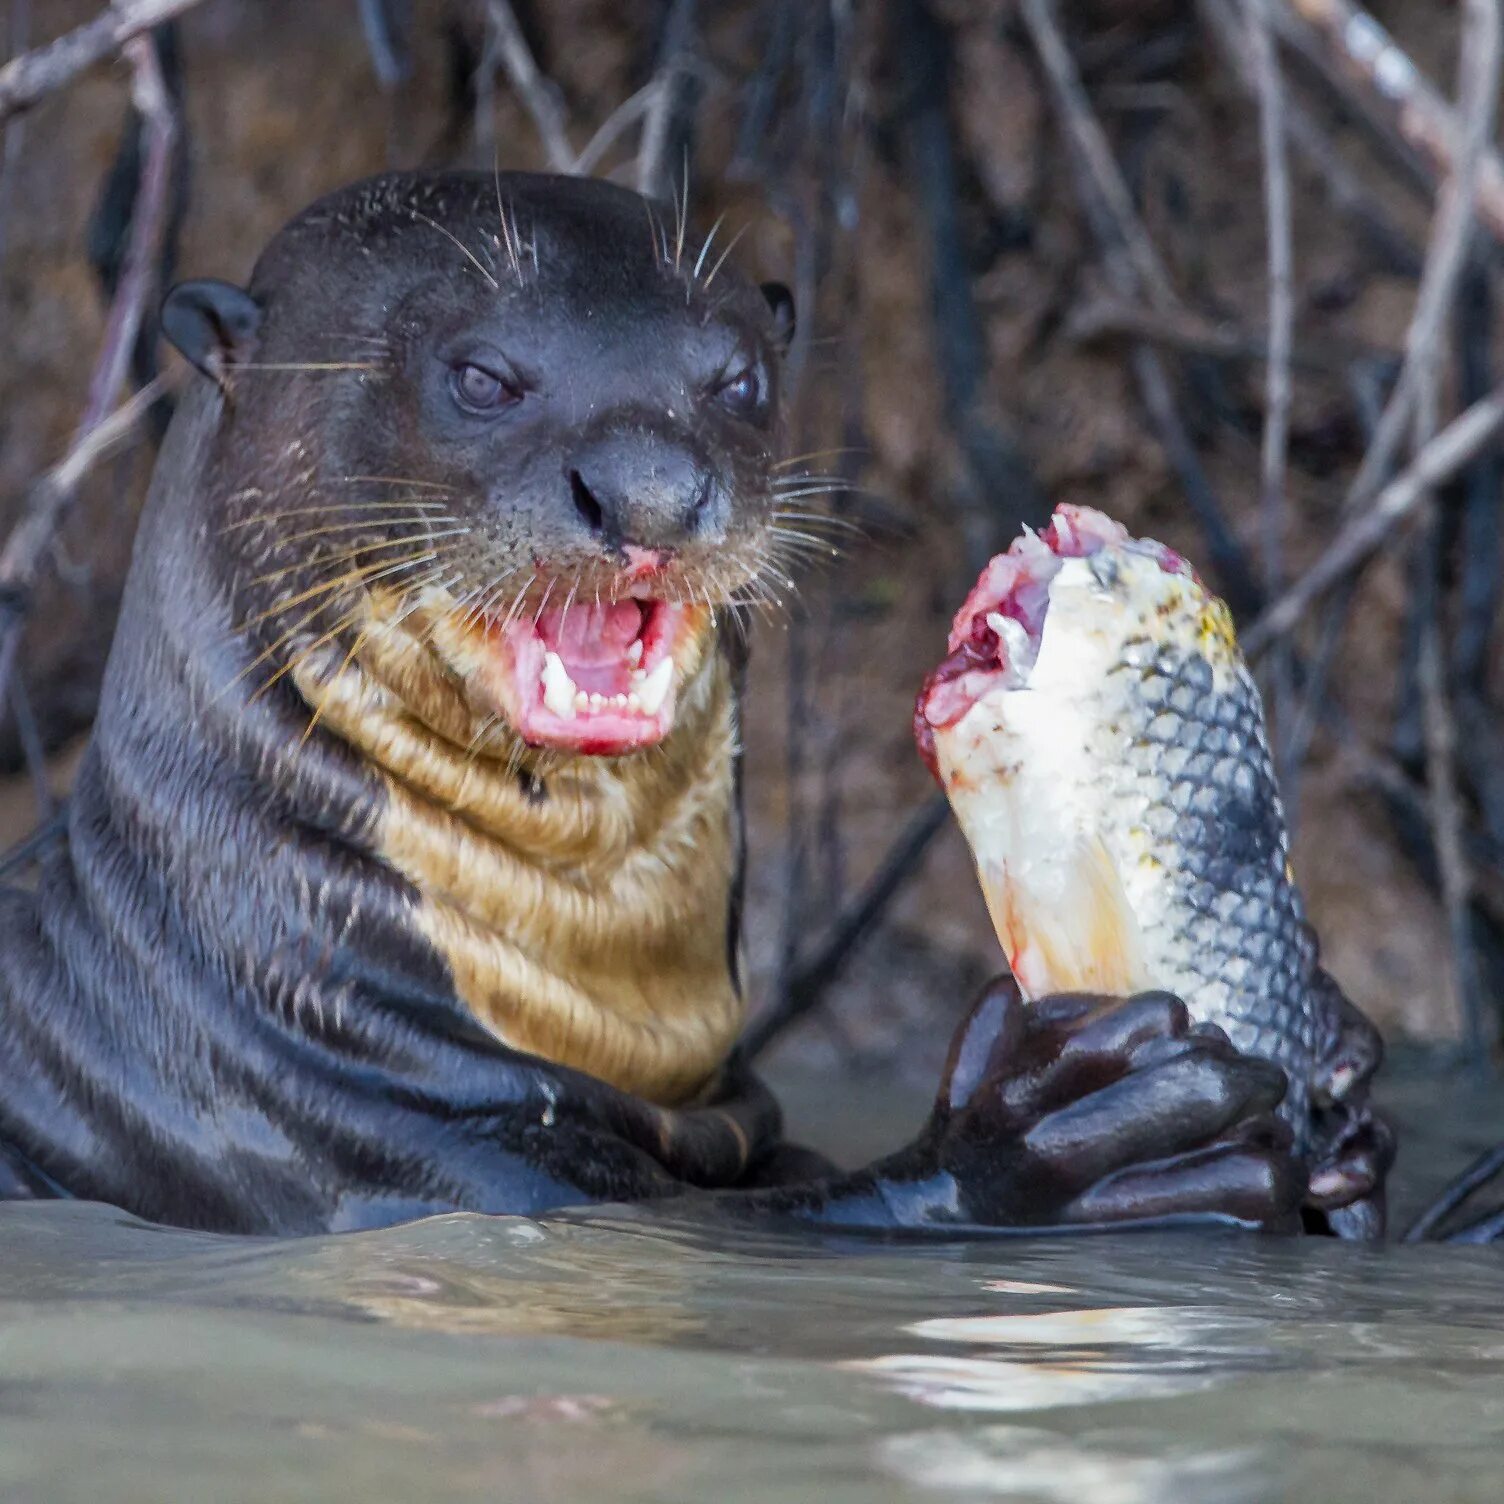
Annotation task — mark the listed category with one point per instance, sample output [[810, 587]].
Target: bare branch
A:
[[1094, 150], [653, 168], [616, 124], [1094, 320], [1458, 443], [99, 429], [1279, 392], [1385, 81], [1479, 49], [32, 76], [539, 94], [1346, 192], [1134, 270]]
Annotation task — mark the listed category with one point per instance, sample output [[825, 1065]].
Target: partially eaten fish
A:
[[1103, 746]]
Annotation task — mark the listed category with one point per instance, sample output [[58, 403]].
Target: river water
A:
[[626, 1357]]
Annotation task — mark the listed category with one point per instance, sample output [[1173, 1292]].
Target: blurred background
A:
[[1222, 269]]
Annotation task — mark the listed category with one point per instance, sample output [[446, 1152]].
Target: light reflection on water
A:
[[615, 1356]]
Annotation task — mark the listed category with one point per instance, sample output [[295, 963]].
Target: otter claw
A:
[[1346, 1190]]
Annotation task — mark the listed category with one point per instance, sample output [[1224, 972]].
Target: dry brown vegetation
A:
[[1224, 269]]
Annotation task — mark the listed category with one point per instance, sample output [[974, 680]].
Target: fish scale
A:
[[1103, 746], [1234, 939]]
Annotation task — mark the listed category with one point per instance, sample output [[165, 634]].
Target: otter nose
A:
[[636, 490]]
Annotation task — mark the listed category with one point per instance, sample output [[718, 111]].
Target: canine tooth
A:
[[558, 688], [634, 653], [655, 687]]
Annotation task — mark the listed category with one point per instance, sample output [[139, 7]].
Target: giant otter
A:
[[402, 871]]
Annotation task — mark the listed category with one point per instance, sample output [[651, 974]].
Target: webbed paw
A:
[[1082, 1109]]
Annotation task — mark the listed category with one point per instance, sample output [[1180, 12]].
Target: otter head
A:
[[524, 450]]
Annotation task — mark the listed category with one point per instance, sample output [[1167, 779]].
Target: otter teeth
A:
[[634, 653], [559, 694], [566, 699], [654, 688]]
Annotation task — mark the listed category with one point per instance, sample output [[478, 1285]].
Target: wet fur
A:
[[325, 945]]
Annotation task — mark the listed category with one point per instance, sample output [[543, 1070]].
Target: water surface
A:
[[617, 1356]]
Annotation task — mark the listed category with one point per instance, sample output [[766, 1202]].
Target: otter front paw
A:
[[1355, 1148], [1082, 1109]]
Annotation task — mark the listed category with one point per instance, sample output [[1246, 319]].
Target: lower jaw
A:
[[504, 668]]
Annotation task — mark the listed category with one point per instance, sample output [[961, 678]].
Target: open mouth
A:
[[994, 640], [598, 679]]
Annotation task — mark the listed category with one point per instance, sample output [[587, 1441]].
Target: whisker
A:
[[821, 520], [345, 555], [394, 480], [814, 454], [404, 502], [306, 365], [543, 604], [301, 658], [515, 610], [328, 694], [274, 647], [460, 245], [364, 575], [568, 602], [501, 214], [655, 234], [492, 594], [705, 249], [721, 259], [350, 527], [681, 212]]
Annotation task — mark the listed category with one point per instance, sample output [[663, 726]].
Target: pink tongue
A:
[[591, 636]]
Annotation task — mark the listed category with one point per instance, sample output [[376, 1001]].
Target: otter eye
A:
[[741, 392], [478, 390]]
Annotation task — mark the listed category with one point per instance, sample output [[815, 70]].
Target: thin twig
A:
[[47, 503], [29, 849], [1478, 1174], [1455, 446], [1001, 493], [391, 57], [1480, 51], [616, 125], [809, 982], [1273, 505], [1094, 150], [34, 75], [539, 94], [1480, 531], [1346, 192], [32, 750], [1134, 270], [653, 166], [99, 429], [1391, 89], [1438, 458], [1106, 317], [17, 32]]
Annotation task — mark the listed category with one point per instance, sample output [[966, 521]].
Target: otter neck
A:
[[583, 906]]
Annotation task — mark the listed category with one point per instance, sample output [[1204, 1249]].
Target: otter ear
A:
[[781, 301], [213, 324]]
